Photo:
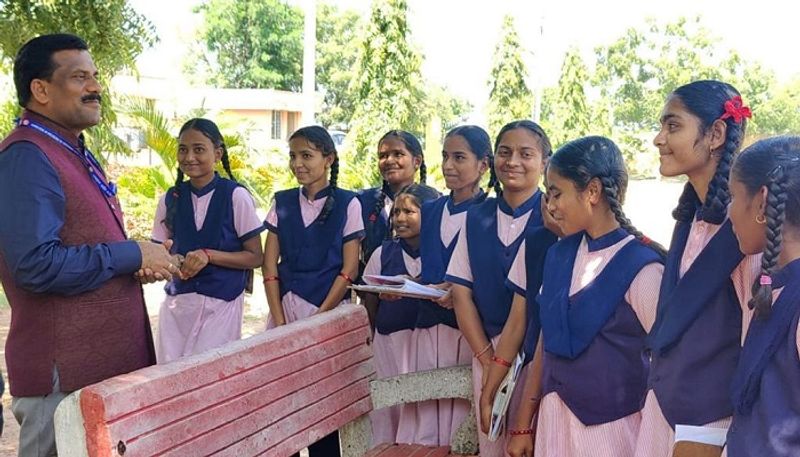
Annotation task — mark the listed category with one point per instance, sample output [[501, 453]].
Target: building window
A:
[[276, 125], [291, 122]]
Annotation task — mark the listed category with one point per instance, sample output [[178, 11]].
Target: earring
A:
[[761, 219]]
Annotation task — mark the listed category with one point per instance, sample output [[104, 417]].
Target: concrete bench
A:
[[272, 394]]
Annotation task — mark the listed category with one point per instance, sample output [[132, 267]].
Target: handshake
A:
[[158, 264]]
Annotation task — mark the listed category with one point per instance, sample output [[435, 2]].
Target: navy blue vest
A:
[[218, 233], [537, 243], [695, 341], [311, 257], [766, 390], [376, 226], [399, 314], [594, 343], [436, 256], [490, 261]]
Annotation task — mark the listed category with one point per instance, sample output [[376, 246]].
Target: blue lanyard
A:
[[85, 156]]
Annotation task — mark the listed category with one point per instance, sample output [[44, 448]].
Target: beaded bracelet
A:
[[205, 251], [270, 278], [525, 431]]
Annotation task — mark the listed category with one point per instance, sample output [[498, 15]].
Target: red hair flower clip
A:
[[735, 108]]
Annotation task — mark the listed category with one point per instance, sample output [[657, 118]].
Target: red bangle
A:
[[526, 431], [205, 251], [270, 278], [346, 277], [501, 361]]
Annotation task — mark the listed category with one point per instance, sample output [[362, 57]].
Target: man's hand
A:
[[157, 263]]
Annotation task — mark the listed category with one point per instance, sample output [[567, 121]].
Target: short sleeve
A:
[[459, 270], [272, 217], [518, 274], [643, 293], [160, 231], [373, 266], [354, 225], [245, 219]]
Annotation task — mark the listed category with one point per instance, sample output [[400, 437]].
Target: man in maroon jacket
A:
[[66, 265]]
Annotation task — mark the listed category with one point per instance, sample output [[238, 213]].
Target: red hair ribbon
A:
[[646, 240], [735, 108]]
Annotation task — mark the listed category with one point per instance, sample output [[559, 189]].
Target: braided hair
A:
[[706, 100], [773, 163], [210, 130], [533, 127], [480, 144], [413, 146], [321, 140], [597, 157]]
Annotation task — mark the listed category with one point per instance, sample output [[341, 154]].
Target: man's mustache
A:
[[90, 97]]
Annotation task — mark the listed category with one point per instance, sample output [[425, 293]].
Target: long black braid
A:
[[596, 157], [210, 130], [775, 213], [494, 183], [615, 196], [321, 139], [773, 163], [706, 99], [687, 204]]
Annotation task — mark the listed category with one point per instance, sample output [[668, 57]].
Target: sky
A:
[[457, 37]]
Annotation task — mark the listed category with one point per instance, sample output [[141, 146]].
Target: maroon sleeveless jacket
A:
[[91, 336]]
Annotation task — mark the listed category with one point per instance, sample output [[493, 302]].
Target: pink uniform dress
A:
[[433, 423], [294, 307], [393, 356], [559, 432], [508, 230], [656, 437], [192, 323]]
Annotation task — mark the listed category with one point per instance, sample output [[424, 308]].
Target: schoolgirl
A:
[[598, 299], [395, 318], [212, 223], [488, 243], [399, 157], [765, 213], [696, 340], [437, 341], [311, 251]]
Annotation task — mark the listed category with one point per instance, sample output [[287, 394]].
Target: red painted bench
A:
[[272, 394]]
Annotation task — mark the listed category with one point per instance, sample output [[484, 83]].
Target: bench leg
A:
[[68, 421], [465, 440], [356, 437]]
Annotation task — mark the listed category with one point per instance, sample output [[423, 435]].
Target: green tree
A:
[[570, 113], [388, 86], [253, 43], [636, 73], [509, 95], [779, 114], [336, 57], [115, 32]]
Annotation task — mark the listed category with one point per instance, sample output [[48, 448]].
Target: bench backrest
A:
[[274, 393]]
